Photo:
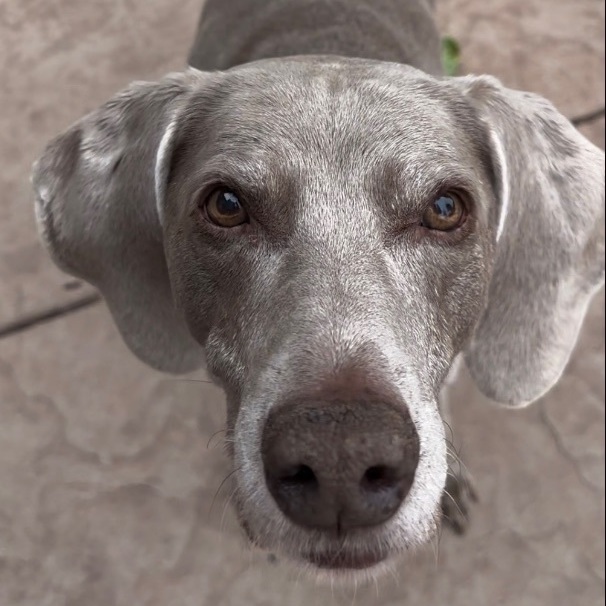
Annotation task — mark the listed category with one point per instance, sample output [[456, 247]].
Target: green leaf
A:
[[451, 56]]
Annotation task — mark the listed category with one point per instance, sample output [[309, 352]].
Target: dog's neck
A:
[[239, 31]]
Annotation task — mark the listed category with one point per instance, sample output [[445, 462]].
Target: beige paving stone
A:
[[553, 48], [594, 131]]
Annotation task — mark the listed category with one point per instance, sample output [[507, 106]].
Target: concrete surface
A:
[[107, 481]]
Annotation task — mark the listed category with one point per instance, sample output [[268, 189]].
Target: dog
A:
[[332, 227]]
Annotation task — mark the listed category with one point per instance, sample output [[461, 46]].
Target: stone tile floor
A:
[[107, 482]]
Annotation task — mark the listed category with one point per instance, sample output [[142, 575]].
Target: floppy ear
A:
[[97, 198], [550, 242]]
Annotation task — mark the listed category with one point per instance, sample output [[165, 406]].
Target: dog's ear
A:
[[550, 242], [98, 188]]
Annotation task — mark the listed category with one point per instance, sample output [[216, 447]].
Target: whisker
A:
[[355, 594], [449, 426], [455, 503], [461, 463], [453, 454], [301, 569], [452, 448], [189, 381], [231, 473], [225, 507], [392, 572], [435, 547], [213, 435]]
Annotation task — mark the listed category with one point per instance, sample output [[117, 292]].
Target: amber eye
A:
[[224, 209], [445, 213]]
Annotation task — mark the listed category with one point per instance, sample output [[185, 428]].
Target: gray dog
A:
[[329, 225]]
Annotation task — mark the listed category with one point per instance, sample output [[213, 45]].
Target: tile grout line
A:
[[588, 117], [32, 320]]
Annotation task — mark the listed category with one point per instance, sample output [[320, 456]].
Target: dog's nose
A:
[[340, 464]]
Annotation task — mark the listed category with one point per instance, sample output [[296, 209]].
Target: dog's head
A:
[[329, 235]]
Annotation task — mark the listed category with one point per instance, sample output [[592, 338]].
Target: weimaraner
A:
[[330, 225]]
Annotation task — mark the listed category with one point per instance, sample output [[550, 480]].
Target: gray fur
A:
[[239, 31], [336, 158]]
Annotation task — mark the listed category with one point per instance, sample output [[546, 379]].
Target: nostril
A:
[[299, 475], [379, 477]]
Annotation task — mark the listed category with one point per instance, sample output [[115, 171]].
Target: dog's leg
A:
[[459, 492]]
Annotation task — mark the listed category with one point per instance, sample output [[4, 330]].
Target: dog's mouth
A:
[[335, 560], [344, 560]]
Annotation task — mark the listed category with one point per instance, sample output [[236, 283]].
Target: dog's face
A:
[[323, 227], [332, 234]]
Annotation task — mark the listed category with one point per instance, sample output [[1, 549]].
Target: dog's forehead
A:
[[357, 105], [332, 121]]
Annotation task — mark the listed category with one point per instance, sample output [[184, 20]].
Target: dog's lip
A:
[[344, 560]]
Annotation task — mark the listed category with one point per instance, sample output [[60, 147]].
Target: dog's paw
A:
[[457, 499]]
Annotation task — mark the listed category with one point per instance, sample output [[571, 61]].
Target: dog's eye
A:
[[224, 209], [445, 213]]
